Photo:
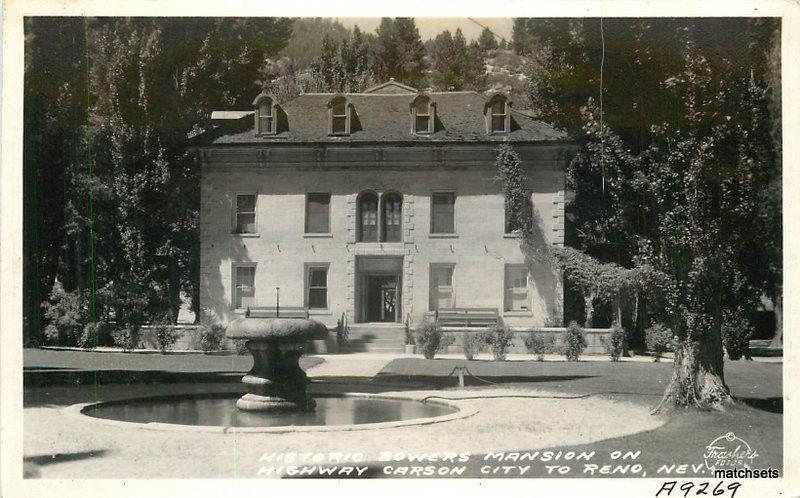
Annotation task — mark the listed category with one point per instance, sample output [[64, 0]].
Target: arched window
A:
[[266, 122], [423, 115], [392, 219], [338, 116], [367, 217], [498, 114]]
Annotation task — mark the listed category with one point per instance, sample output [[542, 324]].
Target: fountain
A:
[[276, 383], [277, 400]]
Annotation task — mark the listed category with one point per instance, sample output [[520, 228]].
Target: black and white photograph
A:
[[425, 248]]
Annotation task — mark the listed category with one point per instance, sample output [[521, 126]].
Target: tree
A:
[[344, 66], [456, 65], [307, 39], [55, 112], [399, 52], [523, 35], [487, 40], [677, 153], [122, 190]]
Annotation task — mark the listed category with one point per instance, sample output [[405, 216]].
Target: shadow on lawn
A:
[[64, 457], [772, 405]]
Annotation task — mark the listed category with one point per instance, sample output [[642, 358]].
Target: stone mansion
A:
[[382, 205]]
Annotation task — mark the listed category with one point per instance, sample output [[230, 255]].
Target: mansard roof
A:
[[384, 117]]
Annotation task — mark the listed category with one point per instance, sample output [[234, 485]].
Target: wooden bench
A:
[[467, 317], [273, 312]]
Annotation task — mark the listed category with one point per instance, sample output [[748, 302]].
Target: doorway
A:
[[378, 289], [382, 298]]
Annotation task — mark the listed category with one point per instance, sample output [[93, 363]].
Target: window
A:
[[441, 288], [318, 208], [516, 295], [392, 217], [443, 212], [317, 297], [499, 115], [422, 115], [368, 217], [245, 213], [340, 117], [244, 285], [515, 223], [266, 118]]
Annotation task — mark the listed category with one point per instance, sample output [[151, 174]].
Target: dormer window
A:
[[266, 114], [423, 115], [265, 118], [498, 115], [339, 113]]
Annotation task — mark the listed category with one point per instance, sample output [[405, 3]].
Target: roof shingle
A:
[[386, 118]]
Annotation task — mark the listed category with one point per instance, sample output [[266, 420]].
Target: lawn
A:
[[521, 391], [757, 417]]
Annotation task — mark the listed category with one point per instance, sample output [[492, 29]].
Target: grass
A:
[[757, 417]]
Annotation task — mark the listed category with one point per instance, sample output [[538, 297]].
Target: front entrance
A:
[[378, 289], [381, 298]]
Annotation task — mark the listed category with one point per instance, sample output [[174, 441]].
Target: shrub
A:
[[659, 339], [500, 338], [240, 345], [127, 337], [96, 334], [472, 343], [430, 339], [65, 313], [165, 333], [553, 320], [574, 342], [342, 332], [736, 334], [210, 332], [615, 343], [537, 344], [409, 335]]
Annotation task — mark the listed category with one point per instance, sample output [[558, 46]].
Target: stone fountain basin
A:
[[287, 329]]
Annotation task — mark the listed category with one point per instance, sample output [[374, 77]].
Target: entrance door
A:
[[382, 298]]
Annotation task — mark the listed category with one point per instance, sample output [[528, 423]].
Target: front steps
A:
[[376, 337]]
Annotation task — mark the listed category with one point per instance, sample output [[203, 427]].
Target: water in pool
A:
[[222, 411]]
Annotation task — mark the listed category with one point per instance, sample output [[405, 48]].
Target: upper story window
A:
[[367, 217], [339, 116], [514, 222], [423, 115], [443, 213], [318, 211], [379, 217], [498, 114], [392, 204], [245, 213], [266, 115]]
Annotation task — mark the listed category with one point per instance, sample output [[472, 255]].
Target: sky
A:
[[429, 27]]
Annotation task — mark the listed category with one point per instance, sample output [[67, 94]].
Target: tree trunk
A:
[[174, 289], [777, 339], [697, 379], [588, 305], [618, 308]]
